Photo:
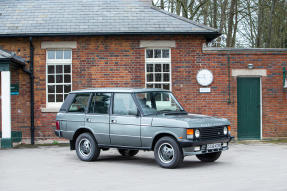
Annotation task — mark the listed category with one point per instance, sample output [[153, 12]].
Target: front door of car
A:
[[124, 121]]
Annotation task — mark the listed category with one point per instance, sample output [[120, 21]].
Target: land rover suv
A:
[[139, 119]]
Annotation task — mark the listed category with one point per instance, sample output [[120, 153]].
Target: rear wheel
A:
[[128, 152], [86, 147], [209, 157], [167, 153]]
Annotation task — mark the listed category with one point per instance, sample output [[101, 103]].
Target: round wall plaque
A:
[[204, 77]]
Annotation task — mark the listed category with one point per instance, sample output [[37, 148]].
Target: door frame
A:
[[260, 101]]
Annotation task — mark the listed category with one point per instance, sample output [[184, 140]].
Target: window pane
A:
[[51, 54], [166, 86], [59, 97], [67, 88], [166, 67], [149, 67], [79, 104], [149, 78], [67, 54], [51, 98], [149, 53], [157, 53], [59, 54], [124, 104], [59, 78], [59, 89], [157, 86], [158, 68], [67, 78], [100, 103], [165, 53], [51, 89], [158, 77], [149, 85], [51, 69], [67, 69], [59, 69], [166, 77], [51, 79]]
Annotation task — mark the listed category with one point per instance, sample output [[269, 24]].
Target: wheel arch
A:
[[160, 135], [76, 134]]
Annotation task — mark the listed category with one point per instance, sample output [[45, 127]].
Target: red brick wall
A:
[[117, 61]]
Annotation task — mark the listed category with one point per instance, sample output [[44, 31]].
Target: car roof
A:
[[120, 90]]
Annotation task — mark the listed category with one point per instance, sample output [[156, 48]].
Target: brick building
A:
[[59, 46]]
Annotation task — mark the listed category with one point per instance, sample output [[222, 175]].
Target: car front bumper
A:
[[192, 143], [195, 147]]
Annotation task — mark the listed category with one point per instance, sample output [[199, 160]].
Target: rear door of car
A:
[[75, 114], [97, 117], [125, 121]]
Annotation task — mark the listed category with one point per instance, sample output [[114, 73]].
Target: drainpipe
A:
[[32, 89], [229, 86]]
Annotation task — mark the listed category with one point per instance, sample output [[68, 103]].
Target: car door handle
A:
[[113, 121]]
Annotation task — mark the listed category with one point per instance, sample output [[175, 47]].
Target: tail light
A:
[[57, 125]]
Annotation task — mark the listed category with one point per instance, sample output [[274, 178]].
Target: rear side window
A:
[[124, 104], [100, 103], [79, 103]]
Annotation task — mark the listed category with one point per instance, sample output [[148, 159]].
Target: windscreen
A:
[[153, 103]]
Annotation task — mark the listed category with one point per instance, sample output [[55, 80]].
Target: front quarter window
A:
[[158, 103]]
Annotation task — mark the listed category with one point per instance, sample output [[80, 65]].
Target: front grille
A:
[[209, 133]]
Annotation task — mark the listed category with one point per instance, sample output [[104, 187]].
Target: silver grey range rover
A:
[[131, 119]]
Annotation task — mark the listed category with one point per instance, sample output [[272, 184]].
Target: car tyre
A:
[[209, 157], [168, 153], [128, 152], [87, 148]]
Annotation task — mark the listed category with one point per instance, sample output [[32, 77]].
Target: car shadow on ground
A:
[[187, 163]]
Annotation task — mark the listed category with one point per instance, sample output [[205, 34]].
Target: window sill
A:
[[50, 110]]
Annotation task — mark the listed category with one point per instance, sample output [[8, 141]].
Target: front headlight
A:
[[197, 133], [225, 130]]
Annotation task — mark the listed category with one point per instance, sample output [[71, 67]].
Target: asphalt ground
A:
[[252, 166]]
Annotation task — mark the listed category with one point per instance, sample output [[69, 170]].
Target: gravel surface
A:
[[256, 166]]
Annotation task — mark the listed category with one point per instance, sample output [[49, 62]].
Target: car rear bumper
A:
[[58, 133]]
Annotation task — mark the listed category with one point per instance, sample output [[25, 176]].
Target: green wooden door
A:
[[248, 108]]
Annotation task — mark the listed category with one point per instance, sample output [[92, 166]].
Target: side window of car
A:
[[79, 103], [124, 104], [100, 103]]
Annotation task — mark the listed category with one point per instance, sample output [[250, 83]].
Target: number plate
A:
[[214, 146]]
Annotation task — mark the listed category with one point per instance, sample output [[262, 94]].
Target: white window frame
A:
[[57, 62], [161, 61]]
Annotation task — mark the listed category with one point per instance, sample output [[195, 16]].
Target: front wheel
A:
[[209, 157], [87, 148], [128, 152], [168, 153]]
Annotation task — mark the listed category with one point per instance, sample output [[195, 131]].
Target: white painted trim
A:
[[249, 72], [157, 43], [61, 44], [57, 62], [50, 110], [6, 104], [160, 61]]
